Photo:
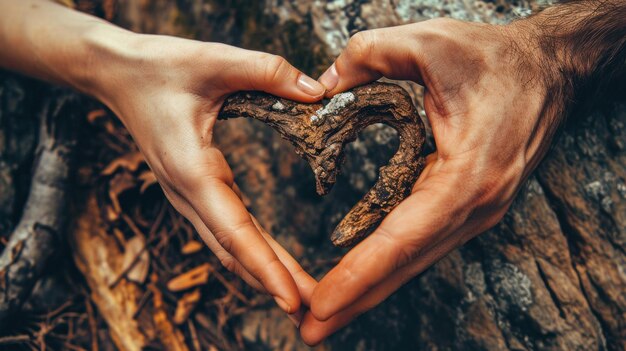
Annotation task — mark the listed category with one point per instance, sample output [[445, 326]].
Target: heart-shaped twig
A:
[[320, 132]]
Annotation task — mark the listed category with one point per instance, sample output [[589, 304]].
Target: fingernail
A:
[[330, 78], [296, 318], [309, 85], [282, 304]]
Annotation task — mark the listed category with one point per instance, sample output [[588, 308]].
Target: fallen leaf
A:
[[192, 278], [111, 214]]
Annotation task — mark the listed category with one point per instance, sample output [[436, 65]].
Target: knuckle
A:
[[171, 175], [189, 175], [226, 237], [403, 251], [229, 263], [494, 219], [273, 67], [274, 265], [498, 188], [348, 270], [299, 272], [362, 43], [406, 254], [489, 190], [409, 251]]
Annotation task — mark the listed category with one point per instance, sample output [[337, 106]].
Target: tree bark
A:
[[319, 132], [37, 235]]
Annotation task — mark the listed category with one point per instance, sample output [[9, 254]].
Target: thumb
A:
[[369, 55], [273, 74]]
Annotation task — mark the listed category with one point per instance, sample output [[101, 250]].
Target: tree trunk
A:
[[35, 238]]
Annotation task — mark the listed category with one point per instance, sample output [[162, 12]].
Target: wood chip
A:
[[170, 336], [138, 257], [185, 306], [190, 279], [191, 247]]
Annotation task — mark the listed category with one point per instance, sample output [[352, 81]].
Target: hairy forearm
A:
[[48, 41], [584, 46]]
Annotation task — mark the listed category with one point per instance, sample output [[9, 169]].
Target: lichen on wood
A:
[[319, 133]]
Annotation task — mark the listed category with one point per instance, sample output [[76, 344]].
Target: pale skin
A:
[[167, 91], [488, 100]]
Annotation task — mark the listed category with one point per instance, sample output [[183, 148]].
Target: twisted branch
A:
[[319, 133]]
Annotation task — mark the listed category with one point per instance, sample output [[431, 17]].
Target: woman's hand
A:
[[168, 92], [487, 101]]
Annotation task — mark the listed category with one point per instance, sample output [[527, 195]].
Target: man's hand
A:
[[168, 92], [493, 108]]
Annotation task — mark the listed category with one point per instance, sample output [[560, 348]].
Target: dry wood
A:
[[191, 247], [100, 259], [171, 338], [320, 132], [186, 305], [36, 236], [136, 261], [192, 278]]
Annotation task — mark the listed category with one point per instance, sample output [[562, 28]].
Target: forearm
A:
[[48, 41], [583, 43]]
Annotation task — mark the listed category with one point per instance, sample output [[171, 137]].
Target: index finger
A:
[[421, 221], [227, 218]]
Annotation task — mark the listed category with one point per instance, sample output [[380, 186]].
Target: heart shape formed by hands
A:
[[319, 133]]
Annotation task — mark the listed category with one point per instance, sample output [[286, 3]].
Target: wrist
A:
[[107, 50]]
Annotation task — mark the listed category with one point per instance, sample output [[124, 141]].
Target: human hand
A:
[[489, 105], [168, 92]]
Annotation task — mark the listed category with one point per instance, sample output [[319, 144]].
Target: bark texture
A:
[[319, 133], [37, 235]]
